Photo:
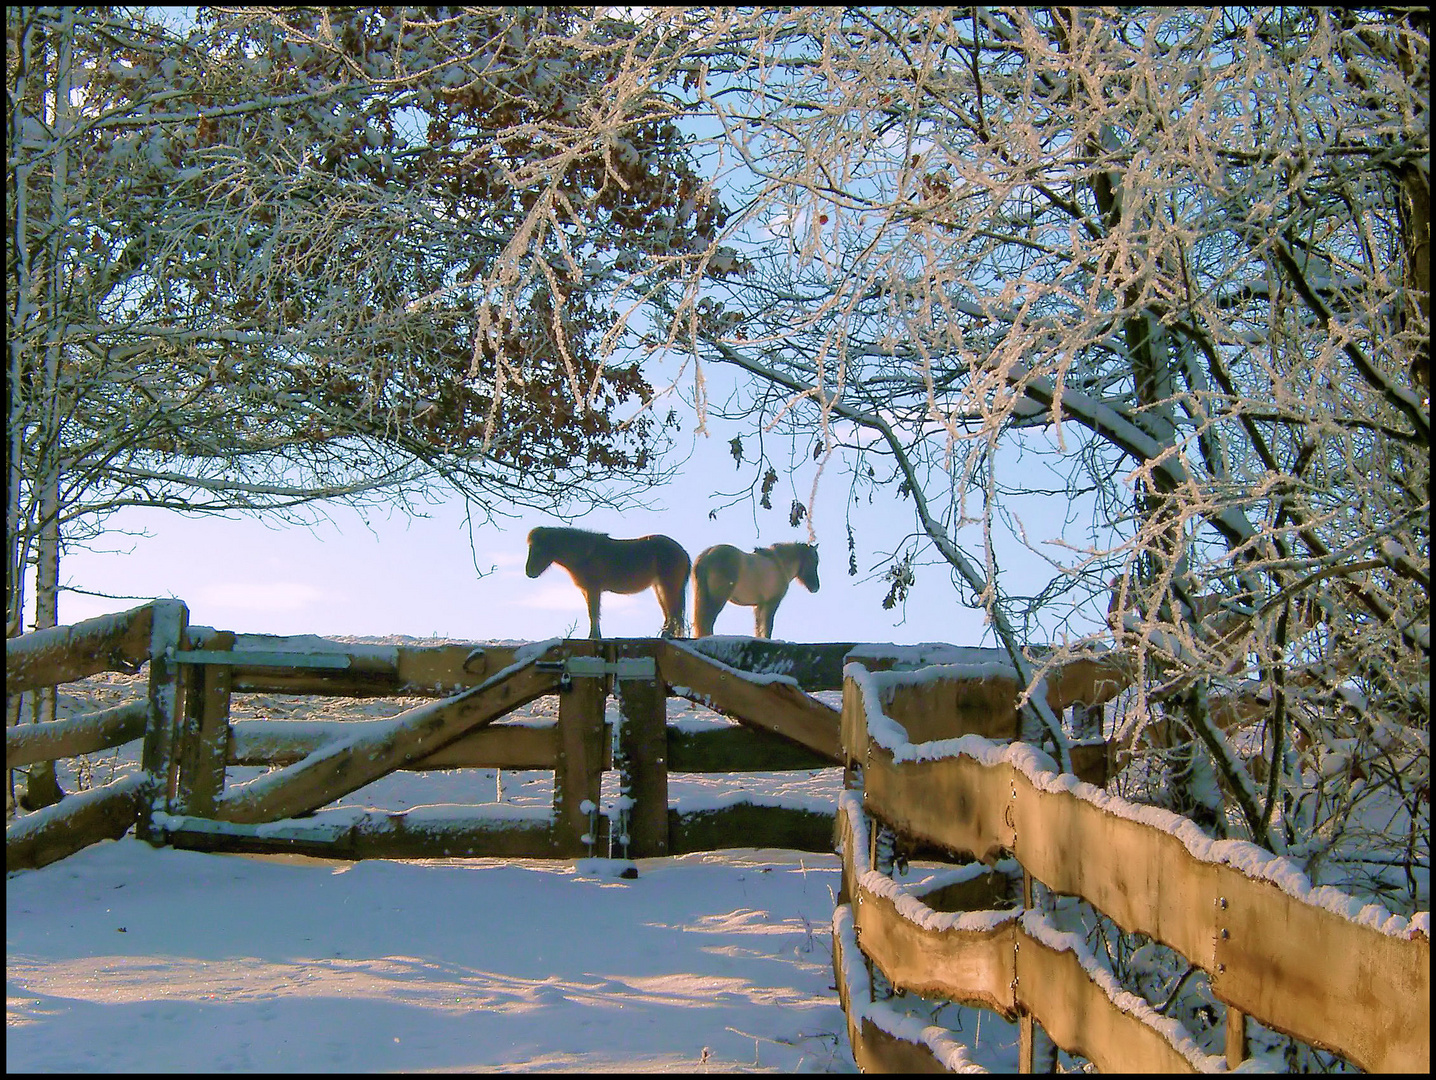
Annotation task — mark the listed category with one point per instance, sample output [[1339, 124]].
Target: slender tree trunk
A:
[[42, 788]]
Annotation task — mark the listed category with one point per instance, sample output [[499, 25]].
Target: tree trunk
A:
[[41, 786]]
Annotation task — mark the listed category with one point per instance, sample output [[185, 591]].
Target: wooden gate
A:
[[180, 796]]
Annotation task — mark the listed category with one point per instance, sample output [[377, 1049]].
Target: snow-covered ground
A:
[[128, 958], [125, 957]]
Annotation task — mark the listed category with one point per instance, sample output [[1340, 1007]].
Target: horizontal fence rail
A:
[[1012, 962], [60, 654], [1311, 963]]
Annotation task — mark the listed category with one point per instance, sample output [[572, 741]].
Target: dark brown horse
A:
[[760, 581], [599, 564]]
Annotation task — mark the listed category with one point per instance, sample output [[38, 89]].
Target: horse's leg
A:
[[763, 620], [666, 603], [593, 596]]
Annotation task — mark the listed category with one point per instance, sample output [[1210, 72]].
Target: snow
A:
[[126, 958]]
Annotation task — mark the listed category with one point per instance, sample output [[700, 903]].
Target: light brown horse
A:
[[759, 580], [599, 564]]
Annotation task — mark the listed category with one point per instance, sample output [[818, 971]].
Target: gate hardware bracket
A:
[[595, 667], [256, 658]]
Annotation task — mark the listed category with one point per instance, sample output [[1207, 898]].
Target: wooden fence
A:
[[180, 797], [1321, 972]]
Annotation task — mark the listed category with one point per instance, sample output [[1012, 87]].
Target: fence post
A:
[[159, 758], [204, 738], [1026, 1025], [1236, 1037], [643, 759], [578, 772], [882, 849]]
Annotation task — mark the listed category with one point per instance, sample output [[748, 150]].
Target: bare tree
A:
[[252, 254], [252, 257], [1178, 258]]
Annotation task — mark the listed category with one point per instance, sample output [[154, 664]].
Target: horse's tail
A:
[[673, 569], [680, 592], [710, 576], [703, 611]]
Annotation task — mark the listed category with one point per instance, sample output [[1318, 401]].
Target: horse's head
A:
[[808, 566], [540, 557]]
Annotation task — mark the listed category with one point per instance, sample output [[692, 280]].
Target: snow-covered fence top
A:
[[1312, 962], [59, 654]]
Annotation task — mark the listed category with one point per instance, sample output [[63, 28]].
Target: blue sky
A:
[[366, 573]]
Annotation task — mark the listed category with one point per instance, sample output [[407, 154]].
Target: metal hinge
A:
[[256, 658]]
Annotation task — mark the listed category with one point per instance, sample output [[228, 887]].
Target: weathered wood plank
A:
[[372, 836], [60, 654], [874, 1050], [993, 890], [160, 755], [974, 966], [1323, 978], [1336, 984], [643, 753], [737, 749], [205, 745], [391, 671], [498, 746], [77, 821], [1005, 968], [813, 665], [749, 825], [336, 770], [579, 744], [946, 708], [778, 707], [1081, 1018], [953, 803], [28, 743]]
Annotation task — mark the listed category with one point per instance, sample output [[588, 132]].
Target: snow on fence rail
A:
[[180, 797], [120, 642], [1312, 963]]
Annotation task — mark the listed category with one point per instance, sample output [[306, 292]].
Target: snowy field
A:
[[127, 958]]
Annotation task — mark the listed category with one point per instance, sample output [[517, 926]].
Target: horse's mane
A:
[[566, 529], [802, 551]]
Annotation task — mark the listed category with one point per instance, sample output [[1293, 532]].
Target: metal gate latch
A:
[[596, 667]]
